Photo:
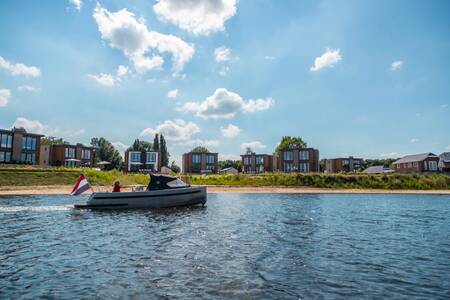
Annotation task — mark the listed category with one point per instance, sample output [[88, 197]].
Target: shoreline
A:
[[66, 189]]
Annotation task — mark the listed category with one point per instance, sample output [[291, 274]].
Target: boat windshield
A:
[[177, 183], [163, 182]]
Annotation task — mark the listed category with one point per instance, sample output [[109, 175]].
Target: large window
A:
[[69, 152], [432, 165], [85, 154], [303, 167], [288, 155], [69, 164], [5, 157], [196, 158], [5, 140], [304, 155], [259, 160], [210, 159], [150, 157], [28, 157], [247, 160], [28, 143], [288, 167], [135, 156]]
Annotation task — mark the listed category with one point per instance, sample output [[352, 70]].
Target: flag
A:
[[81, 186]]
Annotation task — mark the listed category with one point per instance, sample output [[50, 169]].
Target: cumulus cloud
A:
[[176, 130], [231, 131], [396, 65], [5, 94], [124, 32], [200, 142], [109, 79], [76, 3], [35, 126], [222, 54], [121, 147], [229, 157], [390, 155], [413, 140], [255, 145], [327, 60], [199, 17], [172, 94], [19, 69], [27, 88], [225, 104]]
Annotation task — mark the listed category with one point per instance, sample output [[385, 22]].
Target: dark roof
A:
[[414, 158], [445, 156]]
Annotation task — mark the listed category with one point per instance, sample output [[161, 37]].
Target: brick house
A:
[[200, 163], [418, 163], [142, 161], [302, 160], [70, 156], [336, 165], [253, 163], [17, 146]]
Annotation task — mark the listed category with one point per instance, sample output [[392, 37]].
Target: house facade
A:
[[253, 163], [200, 163], [142, 161], [70, 156], [301, 160], [444, 162], [336, 165], [418, 163], [17, 146]]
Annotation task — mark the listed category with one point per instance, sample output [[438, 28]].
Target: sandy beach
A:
[[64, 190]]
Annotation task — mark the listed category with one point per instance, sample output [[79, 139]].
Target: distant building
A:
[[70, 156], [444, 162], [45, 156], [200, 163], [253, 163], [425, 162], [378, 170], [142, 161], [302, 160], [337, 165], [17, 146], [229, 170]]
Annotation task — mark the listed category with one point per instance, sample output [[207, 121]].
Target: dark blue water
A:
[[239, 246]]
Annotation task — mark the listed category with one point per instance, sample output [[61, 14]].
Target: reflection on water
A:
[[238, 246]]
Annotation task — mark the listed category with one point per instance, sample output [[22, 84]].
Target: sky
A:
[[363, 78]]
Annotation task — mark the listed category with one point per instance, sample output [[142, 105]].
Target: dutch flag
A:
[[81, 186]]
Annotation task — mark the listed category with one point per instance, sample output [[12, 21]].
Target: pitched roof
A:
[[377, 170], [445, 156], [414, 158]]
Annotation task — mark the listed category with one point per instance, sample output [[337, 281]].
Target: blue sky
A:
[[362, 78]]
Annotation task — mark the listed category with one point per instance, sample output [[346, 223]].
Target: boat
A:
[[162, 192]]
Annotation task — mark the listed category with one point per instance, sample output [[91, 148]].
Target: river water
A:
[[240, 246]]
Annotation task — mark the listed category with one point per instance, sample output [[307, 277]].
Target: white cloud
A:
[[121, 147], [27, 88], [200, 17], [76, 3], [108, 79], [327, 60], [122, 71], [225, 104], [224, 70], [229, 157], [124, 32], [269, 57], [231, 131], [396, 65], [253, 145], [5, 94], [200, 142], [222, 54], [19, 69], [172, 94], [33, 126], [176, 130], [414, 140], [390, 155]]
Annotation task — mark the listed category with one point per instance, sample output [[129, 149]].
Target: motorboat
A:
[[162, 191]]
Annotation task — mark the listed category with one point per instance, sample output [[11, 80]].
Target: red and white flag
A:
[[81, 186]]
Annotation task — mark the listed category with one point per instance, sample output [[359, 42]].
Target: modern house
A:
[[425, 162], [378, 170], [70, 156], [142, 161], [253, 163], [336, 165], [444, 162], [17, 146], [302, 160], [200, 163]]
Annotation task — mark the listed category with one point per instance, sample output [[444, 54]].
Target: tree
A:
[[200, 149], [156, 142], [105, 151], [175, 168], [163, 150], [141, 146], [51, 140], [289, 142]]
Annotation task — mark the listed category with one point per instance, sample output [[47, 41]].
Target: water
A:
[[239, 246]]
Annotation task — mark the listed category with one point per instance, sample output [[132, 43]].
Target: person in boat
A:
[[117, 186]]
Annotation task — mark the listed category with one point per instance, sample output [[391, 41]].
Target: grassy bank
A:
[[335, 181]]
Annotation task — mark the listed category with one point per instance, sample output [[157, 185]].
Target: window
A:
[[5, 140], [288, 155], [247, 160], [304, 155], [69, 152], [287, 167], [150, 157], [28, 143], [303, 167], [209, 167], [69, 164], [85, 154], [135, 156], [5, 157], [196, 158], [259, 160], [28, 157], [432, 165], [210, 159]]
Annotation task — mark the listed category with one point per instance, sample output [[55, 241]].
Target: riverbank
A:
[[65, 189]]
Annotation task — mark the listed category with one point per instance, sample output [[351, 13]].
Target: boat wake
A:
[[36, 208]]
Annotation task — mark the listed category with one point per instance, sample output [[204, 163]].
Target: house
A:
[[378, 170], [17, 146], [444, 162], [229, 170], [142, 161], [424, 162], [70, 156], [302, 160], [200, 163], [45, 156], [337, 165], [253, 163]]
